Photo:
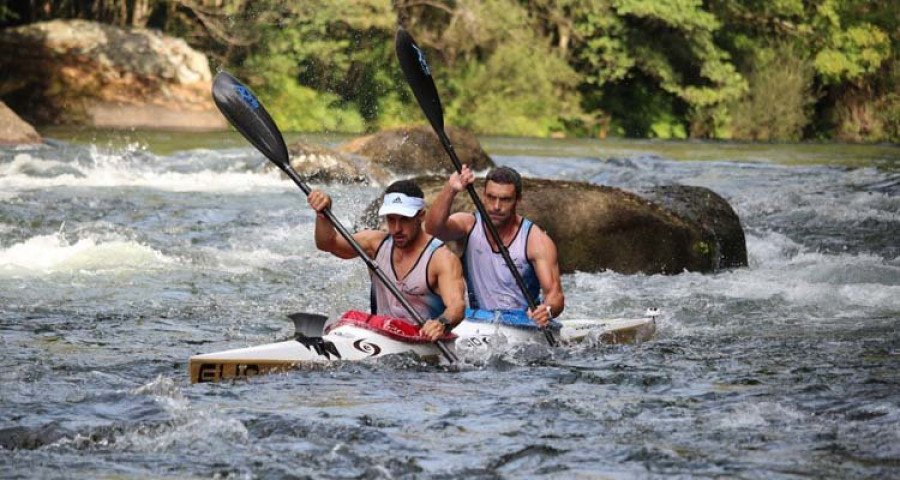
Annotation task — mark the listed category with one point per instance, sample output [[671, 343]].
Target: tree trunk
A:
[[140, 12], [565, 35]]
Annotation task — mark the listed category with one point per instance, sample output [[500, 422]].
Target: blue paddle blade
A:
[[244, 111], [418, 75]]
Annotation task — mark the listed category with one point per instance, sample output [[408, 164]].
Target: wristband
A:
[[448, 325]]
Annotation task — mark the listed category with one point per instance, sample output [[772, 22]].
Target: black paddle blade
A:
[[308, 324], [418, 75], [243, 110]]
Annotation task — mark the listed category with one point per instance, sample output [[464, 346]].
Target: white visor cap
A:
[[401, 204]]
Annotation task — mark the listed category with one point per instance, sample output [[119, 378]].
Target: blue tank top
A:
[[490, 284], [414, 286]]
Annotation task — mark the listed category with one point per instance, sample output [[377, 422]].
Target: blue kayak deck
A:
[[508, 318]]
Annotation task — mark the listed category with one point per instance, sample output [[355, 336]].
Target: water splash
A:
[[53, 253], [217, 172]]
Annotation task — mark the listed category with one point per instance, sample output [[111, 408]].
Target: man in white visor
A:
[[427, 274]]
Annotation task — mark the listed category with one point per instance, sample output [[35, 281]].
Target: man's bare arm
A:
[[328, 239], [438, 220], [448, 279], [543, 255]]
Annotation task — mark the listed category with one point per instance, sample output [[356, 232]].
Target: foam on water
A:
[[266, 247], [226, 173], [51, 254], [770, 249], [185, 428], [849, 208], [752, 414], [783, 277], [833, 281]]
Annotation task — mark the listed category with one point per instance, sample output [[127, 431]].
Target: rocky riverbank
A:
[[76, 72], [14, 130]]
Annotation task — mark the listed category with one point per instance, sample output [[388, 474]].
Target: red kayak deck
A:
[[395, 328]]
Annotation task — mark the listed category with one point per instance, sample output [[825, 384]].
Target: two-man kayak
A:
[[359, 336]]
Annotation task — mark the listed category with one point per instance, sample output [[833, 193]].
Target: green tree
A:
[[850, 47], [666, 50], [125, 13], [850, 44], [854, 63], [497, 74], [7, 14], [779, 103], [755, 69]]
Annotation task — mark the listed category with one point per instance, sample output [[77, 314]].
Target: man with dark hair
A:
[[426, 273], [506, 176], [491, 285]]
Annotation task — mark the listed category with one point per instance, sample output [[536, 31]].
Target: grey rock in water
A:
[[87, 73], [723, 245], [317, 164], [414, 150], [14, 130], [603, 228]]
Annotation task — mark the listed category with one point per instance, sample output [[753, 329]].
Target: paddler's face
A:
[[405, 230], [500, 202]]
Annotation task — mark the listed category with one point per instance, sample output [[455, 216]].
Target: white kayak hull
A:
[[352, 343], [345, 342], [610, 331]]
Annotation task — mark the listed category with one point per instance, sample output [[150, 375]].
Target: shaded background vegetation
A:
[[731, 69]]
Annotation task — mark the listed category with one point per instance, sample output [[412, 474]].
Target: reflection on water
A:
[[118, 262]]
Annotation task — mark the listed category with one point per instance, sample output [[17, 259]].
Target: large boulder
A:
[[87, 73], [13, 130], [603, 228], [417, 150], [318, 164], [723, 244]]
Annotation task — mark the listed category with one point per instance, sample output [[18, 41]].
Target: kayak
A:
[[358, 336], [515, 327]]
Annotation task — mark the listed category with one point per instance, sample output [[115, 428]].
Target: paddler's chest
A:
[[404, 261]]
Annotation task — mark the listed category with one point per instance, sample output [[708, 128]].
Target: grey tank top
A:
[[414, 286], [490, 284]]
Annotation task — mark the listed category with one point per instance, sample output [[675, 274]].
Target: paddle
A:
[[246, 113], [418, 75], [308, 324]]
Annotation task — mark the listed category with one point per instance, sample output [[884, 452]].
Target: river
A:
[[123, 254]]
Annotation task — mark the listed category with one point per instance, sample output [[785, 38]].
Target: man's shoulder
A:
[[537, 236], [379, 234], [371, 238], [445, 254], [467, 218], [532, 225]]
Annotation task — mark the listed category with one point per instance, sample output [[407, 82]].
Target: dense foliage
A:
[[741, 69]]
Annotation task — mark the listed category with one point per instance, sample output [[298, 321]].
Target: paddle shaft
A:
[[286, 168]]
